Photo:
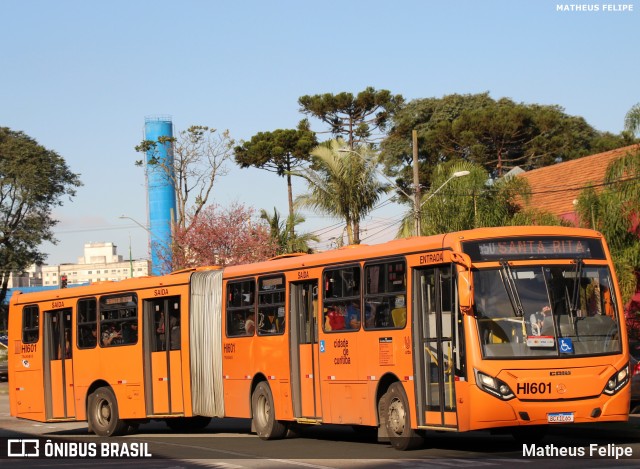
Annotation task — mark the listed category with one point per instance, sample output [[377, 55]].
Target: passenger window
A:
[[118, 320], [86, 320], [271, 295], [30, 324], [241, 314], [385, 301], [342, 299]]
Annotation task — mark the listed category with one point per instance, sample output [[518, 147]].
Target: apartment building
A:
[[100, 262]]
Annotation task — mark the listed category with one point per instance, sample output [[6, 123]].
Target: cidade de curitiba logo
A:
[[35, 448]]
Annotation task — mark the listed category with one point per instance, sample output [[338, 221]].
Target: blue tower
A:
[[160, 192]]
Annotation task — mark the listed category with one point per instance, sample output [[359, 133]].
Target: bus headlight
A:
[[494, 386], [617, 381]]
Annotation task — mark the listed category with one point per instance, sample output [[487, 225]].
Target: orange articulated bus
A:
[[512, 328]]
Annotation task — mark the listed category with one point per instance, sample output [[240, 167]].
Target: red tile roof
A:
[[555, 187]]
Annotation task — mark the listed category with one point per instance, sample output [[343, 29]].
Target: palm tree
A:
[[342, 184], [281, 232], [632, 119], [472, 201]]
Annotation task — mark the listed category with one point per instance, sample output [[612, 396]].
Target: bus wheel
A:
[[102, 413], [397, 419], [264, 415]]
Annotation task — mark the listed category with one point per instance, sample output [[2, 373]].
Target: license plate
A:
[[560, 417]]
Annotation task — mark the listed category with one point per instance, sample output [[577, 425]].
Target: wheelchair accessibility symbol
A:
[[566, 345], [322, 346]]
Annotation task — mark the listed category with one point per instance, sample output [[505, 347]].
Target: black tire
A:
[[186, 424], [264, 415], [529, 435], [102, 413], [397, 419]]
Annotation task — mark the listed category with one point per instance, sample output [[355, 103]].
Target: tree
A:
[[632, 119], [344, 185], [199, 154], [33, 180], [280, 151], [615, 213], [497, 134], [222, 236], [354, 118], [281, 232], [472, 201]]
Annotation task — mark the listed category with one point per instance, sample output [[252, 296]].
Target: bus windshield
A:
[[546, 311]]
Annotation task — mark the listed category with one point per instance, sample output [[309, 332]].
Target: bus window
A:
[[241, 319], [86, 320], [385, 295], [342, 299], [271, 305], [118, 318], [30, 324]]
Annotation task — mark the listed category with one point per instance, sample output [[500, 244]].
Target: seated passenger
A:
[[336, 319], [130, 333], [353, 316], [249, 326]]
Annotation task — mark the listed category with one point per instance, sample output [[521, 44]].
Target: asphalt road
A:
[[228, 444]]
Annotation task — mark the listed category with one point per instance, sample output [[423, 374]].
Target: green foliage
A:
[[344, 185], [496, 134], [280, 151], [355, 118], [33, 180], [473, 201], [632, 119], [281, 232]]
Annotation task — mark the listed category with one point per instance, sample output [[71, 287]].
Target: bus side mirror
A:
[[465, 281]]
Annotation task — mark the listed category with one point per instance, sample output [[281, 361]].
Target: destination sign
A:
[[534, 247]]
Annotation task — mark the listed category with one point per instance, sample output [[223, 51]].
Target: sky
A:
[[81, 76]]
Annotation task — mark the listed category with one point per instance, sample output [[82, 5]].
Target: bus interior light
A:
[[617, 381], [494, 386]]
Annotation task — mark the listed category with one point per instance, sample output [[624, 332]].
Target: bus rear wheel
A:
[[264, 415], [102, 413], [397, 419]]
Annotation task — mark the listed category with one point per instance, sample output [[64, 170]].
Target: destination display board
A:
[[533, 247]]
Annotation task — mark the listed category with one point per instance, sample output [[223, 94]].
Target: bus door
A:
[[434, 331], [58, 365], [163, 356], [305, 373]]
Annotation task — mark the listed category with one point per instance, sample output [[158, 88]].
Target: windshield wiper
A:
[[575, 297], [512, 290]]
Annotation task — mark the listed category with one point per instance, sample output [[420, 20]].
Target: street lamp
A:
[[457, 174], [136, 222], [122, 217]]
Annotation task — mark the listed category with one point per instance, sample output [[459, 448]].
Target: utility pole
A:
[[416, 183]]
